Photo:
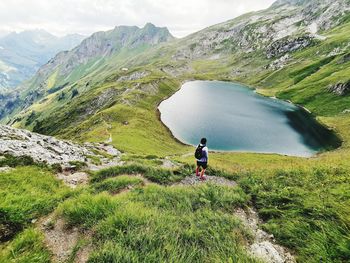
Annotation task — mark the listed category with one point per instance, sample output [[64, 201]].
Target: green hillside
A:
[[135, 213]]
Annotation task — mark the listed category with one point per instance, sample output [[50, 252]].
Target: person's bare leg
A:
[[202, 174], [197, 171]]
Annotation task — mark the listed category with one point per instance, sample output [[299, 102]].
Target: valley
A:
[[22, 54]]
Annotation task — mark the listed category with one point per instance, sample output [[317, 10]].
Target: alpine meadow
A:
[[90, 171]]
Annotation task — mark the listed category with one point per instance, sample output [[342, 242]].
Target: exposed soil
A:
[[194, 180], [82, 255], [168, 164], [62, 241], [74, 179]]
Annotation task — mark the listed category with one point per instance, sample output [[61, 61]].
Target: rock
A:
[[69, 168], [344, 59], [265, 250], [168, 164], [340, 89], [279, 63], [134, 76], [105, 98], [41, 148], [75, 179], [263, 245], [5, 169], [50, 150], [335, 51], [283, 46]]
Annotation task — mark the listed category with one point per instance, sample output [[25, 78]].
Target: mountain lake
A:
[[235, 118]]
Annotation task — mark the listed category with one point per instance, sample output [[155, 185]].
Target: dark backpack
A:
[[199, 152]]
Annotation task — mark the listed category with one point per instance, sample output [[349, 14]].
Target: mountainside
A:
[[120, 66], [104, 44], [286, 26], [21, 54], [151, 207]]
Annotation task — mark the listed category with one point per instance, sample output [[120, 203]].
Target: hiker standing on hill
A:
[[201, 155]]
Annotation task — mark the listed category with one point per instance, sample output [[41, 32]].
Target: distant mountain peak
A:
[[105, 44], [289, 2], [150, 26]]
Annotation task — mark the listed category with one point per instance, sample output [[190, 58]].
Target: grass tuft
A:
[[115, 185], [156, 175], [27, 247]]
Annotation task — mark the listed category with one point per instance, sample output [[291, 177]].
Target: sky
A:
[[61, 17]]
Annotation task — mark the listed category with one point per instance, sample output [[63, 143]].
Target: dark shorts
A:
[[204, 165]]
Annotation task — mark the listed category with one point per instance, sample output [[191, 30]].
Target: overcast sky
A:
[[62, 17]]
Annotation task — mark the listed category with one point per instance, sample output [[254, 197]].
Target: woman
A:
[[201, 155]]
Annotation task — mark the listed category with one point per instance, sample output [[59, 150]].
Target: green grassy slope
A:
[[27, 193], [307, 80], [305, 206]]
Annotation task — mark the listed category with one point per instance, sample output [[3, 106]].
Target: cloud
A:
[[60, 17]]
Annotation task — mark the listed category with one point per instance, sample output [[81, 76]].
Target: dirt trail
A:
[[264, 245], [194, 180], [62, 241]]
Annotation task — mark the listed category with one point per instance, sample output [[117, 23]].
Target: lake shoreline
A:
[[311, 154]]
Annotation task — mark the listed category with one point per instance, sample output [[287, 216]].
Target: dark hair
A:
[[203, 141]]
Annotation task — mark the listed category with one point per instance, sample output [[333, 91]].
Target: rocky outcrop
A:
[[49, 150], [289, 24], [8, 102], [344, 59], [104, 99], [341, 89], [177, 70], [281, 47], [264, 246], [279, 63], [134, 76]]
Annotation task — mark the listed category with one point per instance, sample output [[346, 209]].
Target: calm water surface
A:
[[234, 118]]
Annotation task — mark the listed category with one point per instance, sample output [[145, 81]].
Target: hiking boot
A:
[[203, 178]]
